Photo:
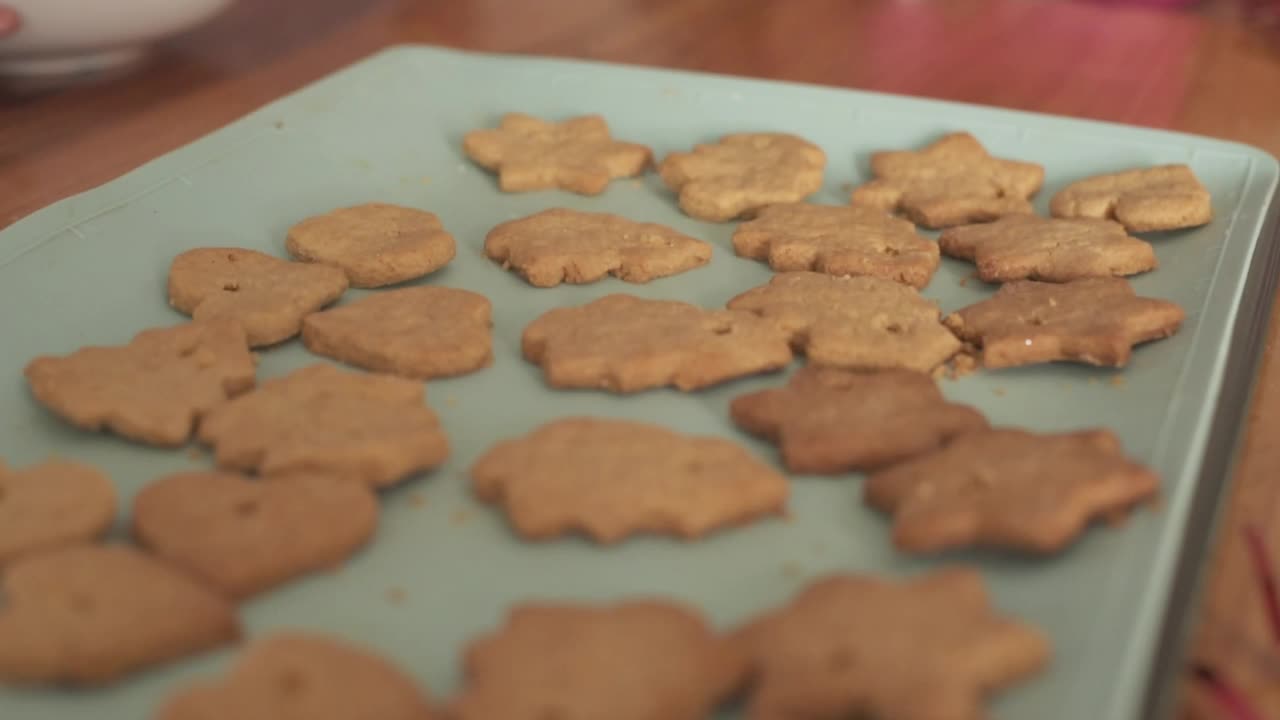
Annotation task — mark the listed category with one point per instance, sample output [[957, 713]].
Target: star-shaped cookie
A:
[[953, 181], [742, 173], [1022, 247], [1166, 197], [577, 154], [1009, 489], [1096, 321]]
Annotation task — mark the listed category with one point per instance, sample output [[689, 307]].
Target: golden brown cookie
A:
[[89, 615], [953, 181], [152, 390], [742, 173], [1009, 489], [637, 660], [376, 428], [562, 245], [838, 240], [624, 344], [1095, 321], [244, 536], [375, 244], [266, 295], [614, 478], [416, 332], [863, 323], [928, 648], [52, 504], [1166, 197], [1022, 247], [833, 421], [292, 675], [577, 154]]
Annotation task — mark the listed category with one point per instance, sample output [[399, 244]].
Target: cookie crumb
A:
[[417, 500], [964, 281], [998, 392], [451, 401], [1093, 381], [396, 595], [1117, 380], [194, 454], [964, 363], [792, 570], [279, 124], [426, 181], [459, 517]]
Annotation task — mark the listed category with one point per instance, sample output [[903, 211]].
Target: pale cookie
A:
[[1009, 489], [625, 344], [636, 660], [855, 646], [838, 240], [52, 504], [953, 181], [743, 173], [577, 154], [244, 536], [375, 428], [613, 478], [561, 245], [266, 295], [1166, 197], [292, 675], [833, 421], [89, 615], [862, 323], [415, 332], [374, 244], [1094, 321], [152, 390], [1022, 247]]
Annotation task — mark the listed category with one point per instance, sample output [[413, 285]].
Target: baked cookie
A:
[[624, 344], [838, 240], [375, 428], [1021, 247], [416, 332], [577, 154], [928, 648], [292, 675], [637, 660], [953, 181], [742, 173], [1166, 197], [89, 615], [562, 245], [244, 536], [613, 478], [1095, 321], [266, 295], [375, 244], [865, 323], [833, 421], [152, 390], [52, 504], [1009, 489]]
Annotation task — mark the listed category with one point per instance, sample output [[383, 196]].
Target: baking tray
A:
[[91, 270]]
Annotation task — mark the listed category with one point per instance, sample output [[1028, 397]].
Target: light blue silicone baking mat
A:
[[91, 270]]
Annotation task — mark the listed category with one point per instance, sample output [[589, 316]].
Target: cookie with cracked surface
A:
[[52, 504], [415, 332], [1028, 247], [1166, 197], [1009, 489], [375, 244], [742, 173]]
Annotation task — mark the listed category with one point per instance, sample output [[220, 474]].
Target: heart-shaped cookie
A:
[[52, 504]]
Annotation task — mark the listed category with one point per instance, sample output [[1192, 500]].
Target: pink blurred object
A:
[[1167, 4]]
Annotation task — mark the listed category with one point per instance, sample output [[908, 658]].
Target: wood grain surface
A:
[[1104, 60]]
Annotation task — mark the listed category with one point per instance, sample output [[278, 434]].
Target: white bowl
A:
[[57, 38]]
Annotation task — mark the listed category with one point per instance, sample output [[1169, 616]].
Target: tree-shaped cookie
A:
[[1022, 247], [625, 344], [953, 181], [864, 323], [613, 478], [375, 244], [577, 154], [52, 504], [831, 421], [571, 246], [637, 660], [838, 240], [1009, 489], [266, 295], [1166, 197], [856, 646], [742, 173], [152, 390], [1095, 321]]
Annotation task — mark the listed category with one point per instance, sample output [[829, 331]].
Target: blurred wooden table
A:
[[1165, 70]]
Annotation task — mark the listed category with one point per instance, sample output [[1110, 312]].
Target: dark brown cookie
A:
[[52, 504], [742, 173], [1022, 247], [1166, 197], [375, 244]]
